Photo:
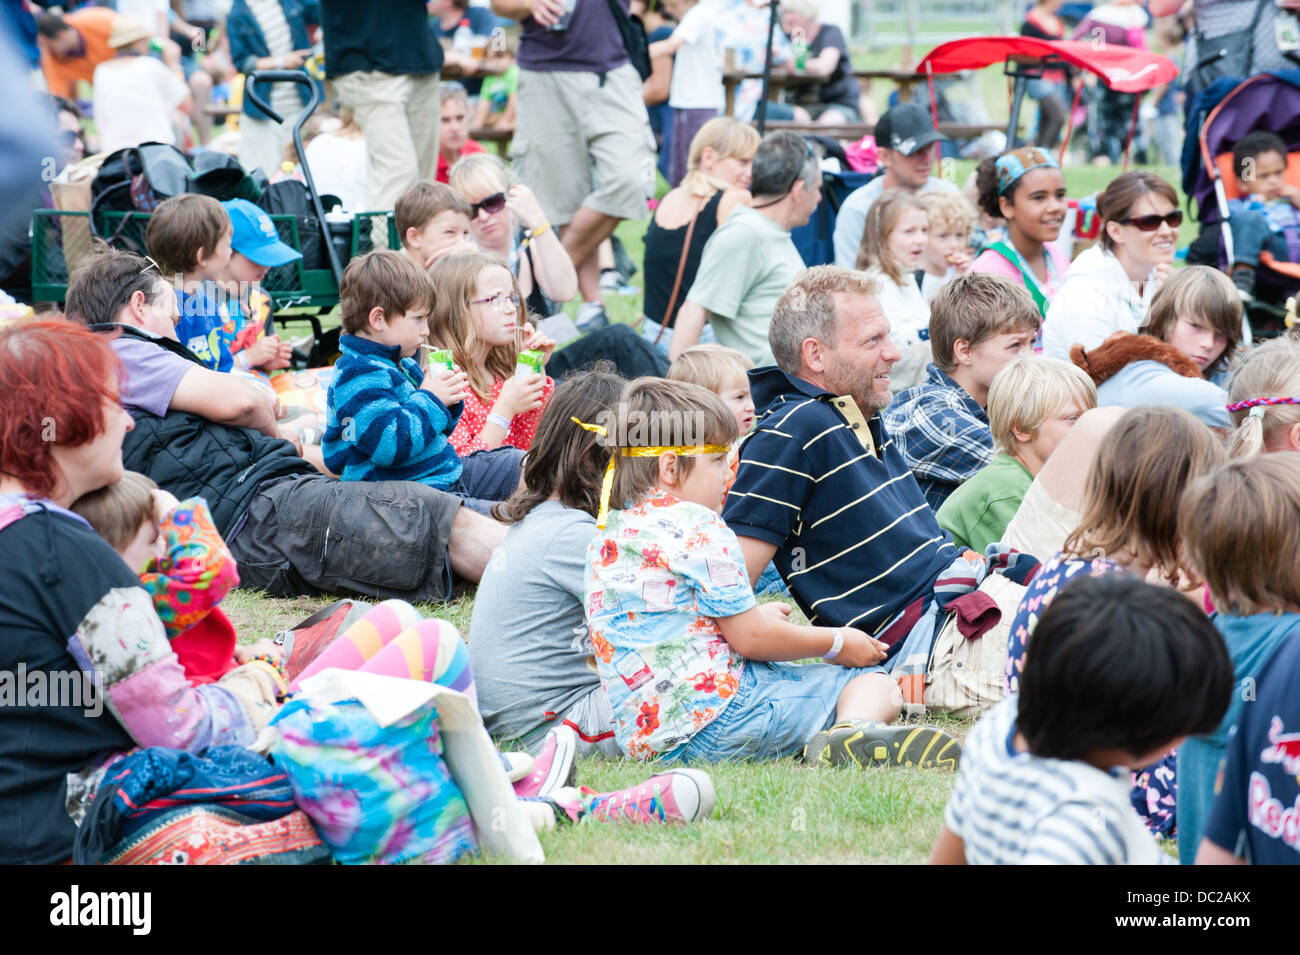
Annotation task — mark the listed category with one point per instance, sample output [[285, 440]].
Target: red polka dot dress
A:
[[467, 436]]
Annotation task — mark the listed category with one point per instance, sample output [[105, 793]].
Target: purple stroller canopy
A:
[[1268, 101]]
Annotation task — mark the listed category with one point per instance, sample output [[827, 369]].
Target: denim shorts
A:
[[777, 708]]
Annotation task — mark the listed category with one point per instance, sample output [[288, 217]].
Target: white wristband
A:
[[836, 646], [501, 421]]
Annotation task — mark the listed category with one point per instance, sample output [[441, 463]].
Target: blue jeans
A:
[[1250, 235], [777, 708], [650, 330]]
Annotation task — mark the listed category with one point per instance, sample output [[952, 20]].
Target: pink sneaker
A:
[[553, 765], [679, 795]]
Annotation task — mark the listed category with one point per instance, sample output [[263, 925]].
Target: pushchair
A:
[[1217, 121]]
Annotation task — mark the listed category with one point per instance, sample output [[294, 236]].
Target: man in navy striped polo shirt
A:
[[821, 488]]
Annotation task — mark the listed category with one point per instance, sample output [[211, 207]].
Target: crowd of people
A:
[[994, 476]]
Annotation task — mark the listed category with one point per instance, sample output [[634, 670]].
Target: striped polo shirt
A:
[[1013, 808], [856, 542]]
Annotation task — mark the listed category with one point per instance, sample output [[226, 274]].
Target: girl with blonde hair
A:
[[717, 180]]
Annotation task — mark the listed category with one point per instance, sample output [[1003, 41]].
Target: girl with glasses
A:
[[1109, 287], [480, 317]]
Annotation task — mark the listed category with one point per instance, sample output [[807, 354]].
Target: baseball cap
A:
[[255, 237], [906, 128]]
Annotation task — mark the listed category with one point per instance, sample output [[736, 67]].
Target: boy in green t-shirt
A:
[[496, 99], [1033, 402]]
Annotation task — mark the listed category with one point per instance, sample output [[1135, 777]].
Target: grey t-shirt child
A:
[[530, 667]]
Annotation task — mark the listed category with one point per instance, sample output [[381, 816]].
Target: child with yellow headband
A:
[[688, 660]]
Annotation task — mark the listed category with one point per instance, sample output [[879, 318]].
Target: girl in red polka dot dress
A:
[[479, 315]]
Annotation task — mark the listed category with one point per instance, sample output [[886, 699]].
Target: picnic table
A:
[[855, 131], [905, 80]]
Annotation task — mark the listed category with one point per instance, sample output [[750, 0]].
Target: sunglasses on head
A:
[[1152, 222], [491, 205]]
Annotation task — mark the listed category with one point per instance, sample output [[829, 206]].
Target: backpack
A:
[[135, 179]]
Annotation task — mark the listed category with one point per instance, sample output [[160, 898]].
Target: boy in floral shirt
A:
[[684, 653]]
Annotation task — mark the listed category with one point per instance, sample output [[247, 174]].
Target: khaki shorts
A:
[[581, 142], [1040, 526]]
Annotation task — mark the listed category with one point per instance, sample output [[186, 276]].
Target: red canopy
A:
[[1122, 68]]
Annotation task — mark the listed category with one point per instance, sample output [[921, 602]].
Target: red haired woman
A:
[[70, 607]]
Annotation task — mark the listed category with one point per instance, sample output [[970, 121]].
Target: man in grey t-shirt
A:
[[527, 636]]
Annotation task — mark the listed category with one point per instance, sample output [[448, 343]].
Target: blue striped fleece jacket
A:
[[380, 425]]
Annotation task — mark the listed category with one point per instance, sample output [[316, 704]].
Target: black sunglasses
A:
[[1152, 222], [491, 205]]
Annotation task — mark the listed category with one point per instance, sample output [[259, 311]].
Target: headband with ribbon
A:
[[686, 450], [1258, 406], [1011, 166]]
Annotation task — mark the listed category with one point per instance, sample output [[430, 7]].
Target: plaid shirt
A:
[[942, 433]]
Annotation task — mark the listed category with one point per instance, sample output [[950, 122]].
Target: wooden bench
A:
[[490, 134], [855, 131]]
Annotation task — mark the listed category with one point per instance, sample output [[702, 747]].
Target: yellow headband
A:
[[687, 450]]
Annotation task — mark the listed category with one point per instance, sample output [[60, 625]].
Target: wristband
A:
[[501, 421], [837, 645]]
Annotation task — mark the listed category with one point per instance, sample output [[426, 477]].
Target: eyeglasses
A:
[[1152, 222], [68, 138], [491, 205], [498, 301]]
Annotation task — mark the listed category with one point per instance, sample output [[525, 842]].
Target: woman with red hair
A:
[[81, 634]]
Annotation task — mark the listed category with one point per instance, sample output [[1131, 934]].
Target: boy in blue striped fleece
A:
[[978, 324], [388, 419]]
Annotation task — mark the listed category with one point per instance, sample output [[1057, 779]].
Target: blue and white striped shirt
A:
[[1014, 808], [380, 425]]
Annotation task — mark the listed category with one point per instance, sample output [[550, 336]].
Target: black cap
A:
[[906, 128]]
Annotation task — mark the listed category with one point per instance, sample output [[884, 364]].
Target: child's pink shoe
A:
[[552, 766], [679, 795]]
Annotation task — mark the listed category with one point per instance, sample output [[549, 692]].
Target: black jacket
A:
[[190, 456]]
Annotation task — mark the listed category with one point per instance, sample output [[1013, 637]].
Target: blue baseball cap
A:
[[255, 237]]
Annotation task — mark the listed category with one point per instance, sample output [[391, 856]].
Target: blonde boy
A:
[[1033, 403], [432, 221], [722, 370], [947, 250]]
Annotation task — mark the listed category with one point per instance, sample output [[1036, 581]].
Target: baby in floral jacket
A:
[[184, 565], [689, 661]]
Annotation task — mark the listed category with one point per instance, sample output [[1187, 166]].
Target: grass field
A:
[[774, 812]]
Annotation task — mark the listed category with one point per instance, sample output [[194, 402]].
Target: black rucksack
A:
[[135, 179]]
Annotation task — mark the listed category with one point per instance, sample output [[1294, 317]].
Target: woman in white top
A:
[[137, 97], [1110, 286], [893, 243]]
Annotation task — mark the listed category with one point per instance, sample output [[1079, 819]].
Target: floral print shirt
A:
[[658, 576]]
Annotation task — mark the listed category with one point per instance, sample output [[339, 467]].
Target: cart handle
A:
[[313, 100]]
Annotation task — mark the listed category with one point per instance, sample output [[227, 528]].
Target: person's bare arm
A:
[[667, 46], [758, 554], [226, 399], [764, 633], [655, 90], [949, 849], [1164, 8], [824, 63], [730, 199], [1211, 854], [545, 12], [686, 329]]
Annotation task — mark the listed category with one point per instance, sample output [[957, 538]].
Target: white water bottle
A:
[[462, 41]]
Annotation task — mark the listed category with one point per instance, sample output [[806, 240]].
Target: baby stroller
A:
[[1266, 101]]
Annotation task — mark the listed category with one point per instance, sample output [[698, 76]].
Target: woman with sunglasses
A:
[[1110, 286], [507, 221]]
